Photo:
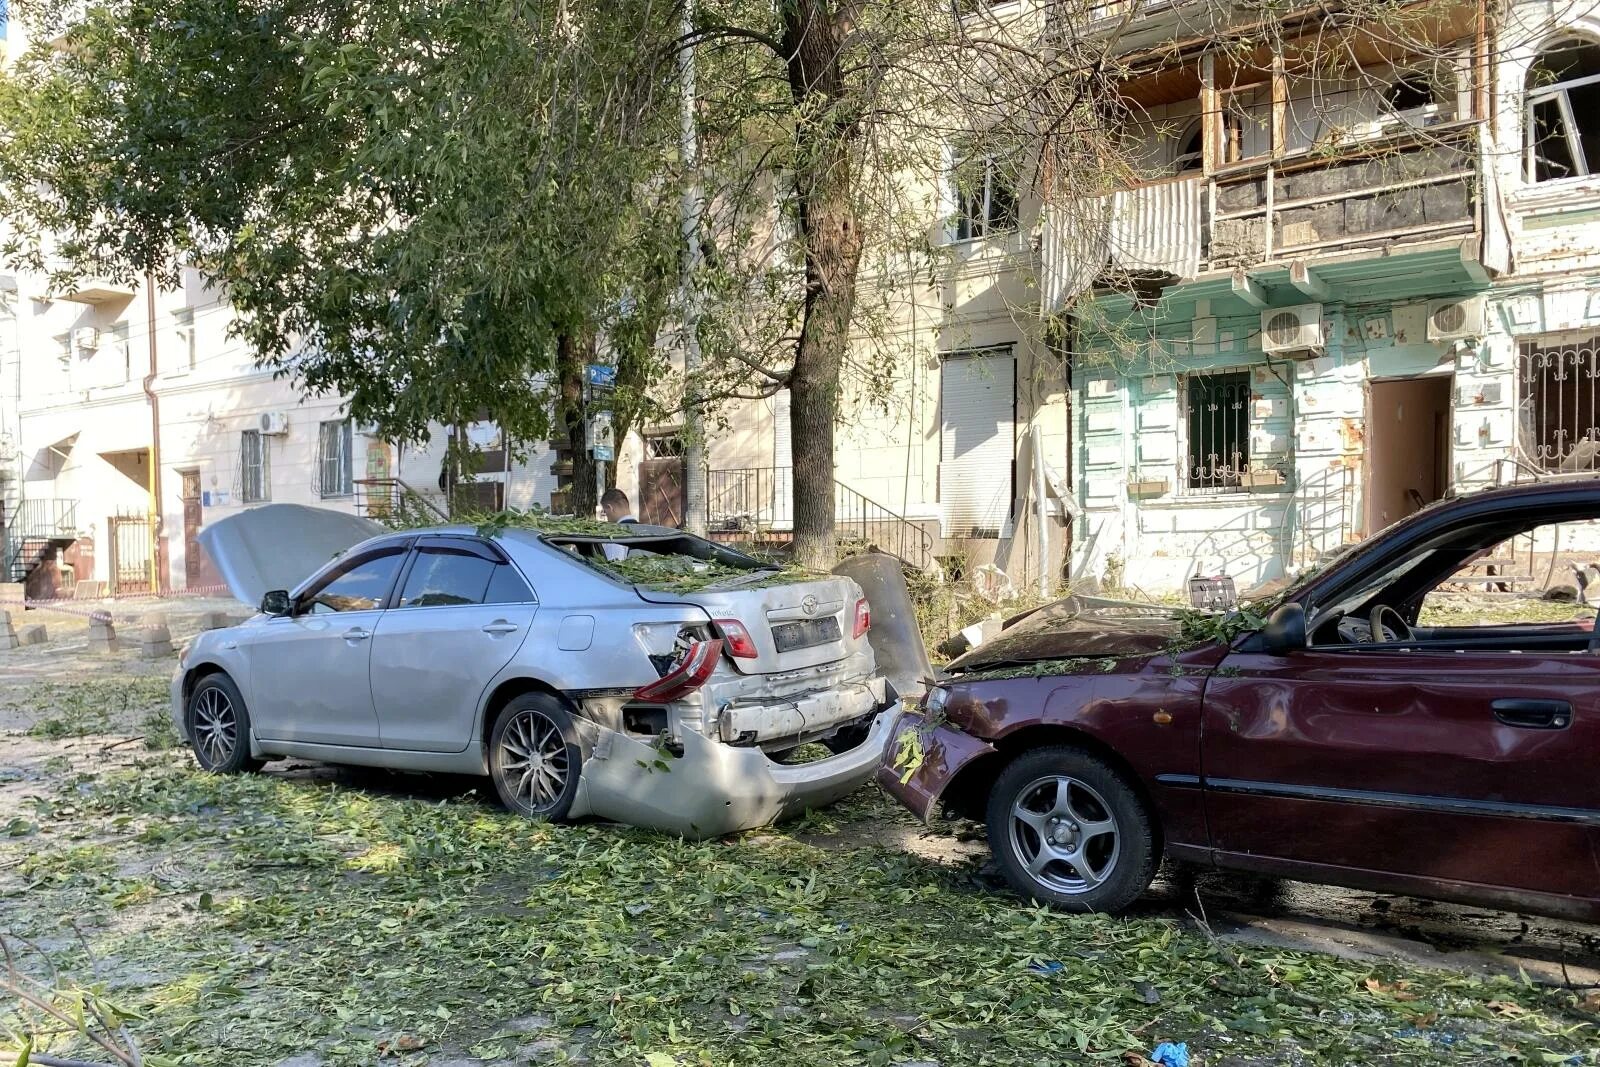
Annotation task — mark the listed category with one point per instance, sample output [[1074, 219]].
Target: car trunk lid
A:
[[791, 626]]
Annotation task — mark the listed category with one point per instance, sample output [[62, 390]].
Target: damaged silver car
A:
[[631, 673]]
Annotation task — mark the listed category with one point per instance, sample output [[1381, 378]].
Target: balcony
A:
[[1409, 186]]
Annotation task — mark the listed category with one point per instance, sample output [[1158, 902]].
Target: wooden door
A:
[[193, 563]]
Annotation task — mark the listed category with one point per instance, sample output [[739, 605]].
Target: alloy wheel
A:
[[1064, 834], [216, 726], [533, 761]]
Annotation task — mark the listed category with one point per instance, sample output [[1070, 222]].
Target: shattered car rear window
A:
[[678, 563]]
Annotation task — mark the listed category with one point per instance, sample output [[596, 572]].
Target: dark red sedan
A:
[[1369, 731]]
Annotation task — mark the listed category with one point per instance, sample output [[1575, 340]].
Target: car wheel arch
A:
[[507, 690], [967, 794], [198, 672]]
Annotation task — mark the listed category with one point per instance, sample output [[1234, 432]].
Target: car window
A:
[[1547, 574], [507, 587], [359, 586], [442, 577]]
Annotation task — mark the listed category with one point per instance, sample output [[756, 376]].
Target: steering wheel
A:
[[1397, 626]]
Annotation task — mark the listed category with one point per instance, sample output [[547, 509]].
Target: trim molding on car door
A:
[[1412, 801]]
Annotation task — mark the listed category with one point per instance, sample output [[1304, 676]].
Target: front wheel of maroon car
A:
[[1067, 829]]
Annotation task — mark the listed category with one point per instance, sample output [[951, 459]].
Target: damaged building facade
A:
[[1352, 295]]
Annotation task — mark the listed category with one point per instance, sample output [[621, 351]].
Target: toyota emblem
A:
[[809, 605]]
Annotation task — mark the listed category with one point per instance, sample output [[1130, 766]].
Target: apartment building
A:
[[1343, 294], [1369, 292]]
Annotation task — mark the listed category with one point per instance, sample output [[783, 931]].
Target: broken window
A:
[[1191, 154], [255, 478], [1558, 428], [335, 445], [1563, 112], [985, 198], [1217, 418]]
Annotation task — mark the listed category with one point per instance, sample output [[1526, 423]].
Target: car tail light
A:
[[863, 617], [690, 674], [736, 639]]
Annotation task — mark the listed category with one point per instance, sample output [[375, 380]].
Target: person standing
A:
[[614, 503]]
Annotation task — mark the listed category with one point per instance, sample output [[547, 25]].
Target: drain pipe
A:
[[155, 438]]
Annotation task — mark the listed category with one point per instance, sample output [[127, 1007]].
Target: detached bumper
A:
[[937, 754], [715, 789]]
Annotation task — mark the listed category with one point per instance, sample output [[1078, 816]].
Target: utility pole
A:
[[694, 452]]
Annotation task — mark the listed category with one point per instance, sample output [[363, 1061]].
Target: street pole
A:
[[694, 452]]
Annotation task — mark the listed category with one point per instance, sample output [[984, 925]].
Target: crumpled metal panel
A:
[[1154, 227]]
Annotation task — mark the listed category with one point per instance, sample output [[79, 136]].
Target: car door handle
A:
[[357, 634], [1534, 714], [500, 626]]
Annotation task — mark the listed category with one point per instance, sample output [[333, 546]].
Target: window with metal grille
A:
[[1217, 421], [255, 475], [335, 446], [663, 446], [1559, 427]]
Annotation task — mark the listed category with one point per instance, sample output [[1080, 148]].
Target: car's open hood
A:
[[1074, 627], [277, 546]]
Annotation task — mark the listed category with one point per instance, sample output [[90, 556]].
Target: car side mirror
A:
[[1285, 631], [277, 602]]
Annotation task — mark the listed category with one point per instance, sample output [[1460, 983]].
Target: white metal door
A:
[[977, 441]]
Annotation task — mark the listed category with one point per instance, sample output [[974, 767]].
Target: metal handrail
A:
[[396, 498], [37, 523], [759, 501]]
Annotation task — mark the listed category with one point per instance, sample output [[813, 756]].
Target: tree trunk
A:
[[832, 232], [571, 355]]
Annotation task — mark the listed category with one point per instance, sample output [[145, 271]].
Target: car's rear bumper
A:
[[923, 758], [713, 788], [804, 715]]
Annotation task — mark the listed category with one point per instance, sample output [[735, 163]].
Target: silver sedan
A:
[[531, 657]]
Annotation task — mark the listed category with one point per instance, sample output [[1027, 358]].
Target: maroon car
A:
[[1361, 733]]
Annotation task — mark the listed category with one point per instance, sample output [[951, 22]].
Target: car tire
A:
[[534, 757], [218, 725], [1084, 818]]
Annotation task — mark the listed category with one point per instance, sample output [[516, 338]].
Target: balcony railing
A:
[[1410, 185]]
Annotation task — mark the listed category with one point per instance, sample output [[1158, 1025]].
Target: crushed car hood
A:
[[277, 546], [1074, 627]]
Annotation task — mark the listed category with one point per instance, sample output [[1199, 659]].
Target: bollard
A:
[[8, 636], [155, 641], [102, 633], [32, 635], [214, 620]]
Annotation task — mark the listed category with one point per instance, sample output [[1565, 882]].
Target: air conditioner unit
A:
[[1292, 329], [274, 423], [86, 338], [1455, 320], [8, 449]]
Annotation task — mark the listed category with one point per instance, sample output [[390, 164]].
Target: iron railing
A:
[[1560, 420], [32, 529], [392, 501], [757, 503]]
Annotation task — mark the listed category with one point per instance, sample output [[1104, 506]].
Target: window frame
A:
[[476, 546], [1532, 98], [1553, 348], [345, 459], [1186, 484], [979, 229], [340, 567], [262, 468]]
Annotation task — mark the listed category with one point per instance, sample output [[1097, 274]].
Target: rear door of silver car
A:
[[461, 613]]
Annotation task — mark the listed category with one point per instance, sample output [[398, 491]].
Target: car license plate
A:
[[806, 633]]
